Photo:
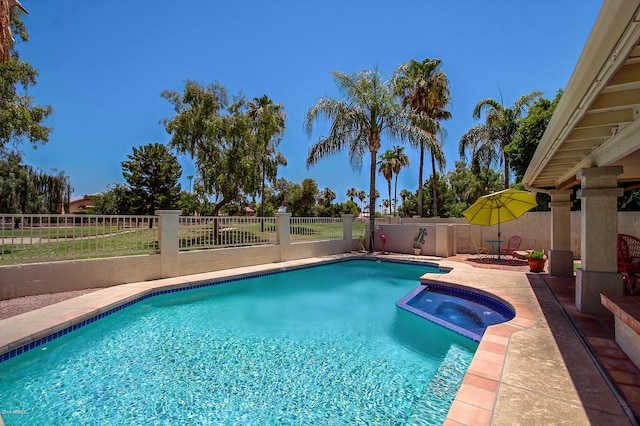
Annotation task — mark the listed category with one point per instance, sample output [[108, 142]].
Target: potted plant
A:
[[536, 260], [418, 241]]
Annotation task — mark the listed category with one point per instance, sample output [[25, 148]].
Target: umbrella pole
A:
[[499, 239]]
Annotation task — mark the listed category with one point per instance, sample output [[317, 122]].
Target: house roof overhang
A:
[[596, 121]]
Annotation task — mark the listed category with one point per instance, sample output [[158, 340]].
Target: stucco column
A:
[[283, 229], [347, 231], [445, 240], [168, 242], [560, 255], [598, 232]]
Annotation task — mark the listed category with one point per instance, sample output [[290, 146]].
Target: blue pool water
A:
[[321, 345]]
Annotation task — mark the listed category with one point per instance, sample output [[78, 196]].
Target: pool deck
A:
[[534, 369]]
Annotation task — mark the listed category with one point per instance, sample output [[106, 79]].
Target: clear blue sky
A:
[[103, 65]]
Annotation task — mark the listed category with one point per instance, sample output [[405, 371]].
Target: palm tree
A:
[[386, 169], [367, 112], [361, 196], [190, 177], [352, 193], [328, 196], [269, 120], [487, 142], [400, 160], [395, 159], [424, 89], [386, 203]]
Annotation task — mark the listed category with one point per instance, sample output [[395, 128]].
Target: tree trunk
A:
[[506, 169], [395, 196], [262, 200], [372, 200], [435, 185], [389, 189], [420, 179]]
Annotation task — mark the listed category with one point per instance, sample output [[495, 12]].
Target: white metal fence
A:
[[198, 232], [316, 228], [39, 237]]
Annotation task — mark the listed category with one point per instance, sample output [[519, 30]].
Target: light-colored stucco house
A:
[[591, 150]]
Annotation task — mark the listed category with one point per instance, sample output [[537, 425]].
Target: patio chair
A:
[[481, 251], [629, 261], [512, 245]]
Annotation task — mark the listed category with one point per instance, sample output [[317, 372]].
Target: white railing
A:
[[39, 237], [316, 228], [42, 238], [197, 232], [359, 227]]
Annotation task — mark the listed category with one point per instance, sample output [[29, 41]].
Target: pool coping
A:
[[484, 387]]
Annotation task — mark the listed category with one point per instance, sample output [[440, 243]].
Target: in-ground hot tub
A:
[[461, 309]]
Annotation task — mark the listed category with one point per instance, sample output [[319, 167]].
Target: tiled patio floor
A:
[[596, 331]]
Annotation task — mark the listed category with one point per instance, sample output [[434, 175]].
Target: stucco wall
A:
[[535, 230], [53, 277]]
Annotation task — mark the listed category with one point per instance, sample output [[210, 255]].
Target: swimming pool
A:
[[317, 345]]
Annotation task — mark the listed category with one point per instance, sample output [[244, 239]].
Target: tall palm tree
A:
[[362, 194], [352, 193], [269, 120], [424, 89], [396, 160], [487, 141], [386, 169], [400, 160], [358, 122]]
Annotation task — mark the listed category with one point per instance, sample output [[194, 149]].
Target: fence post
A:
[[168, 242], [347, 231], [283, 230]]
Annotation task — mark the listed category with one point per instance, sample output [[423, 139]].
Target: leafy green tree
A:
[[189, 203], [467, 186], [20, 119], [358, 122], [487, 142], [269, 121], [54, 191], [301, 199], [406, 195], [349, 207], [424, 90], [446, 197], [152, 174], [17, 187], [278, 194], [25, 189], [630, 201], [219, 135], [520, 150], [115, 200]]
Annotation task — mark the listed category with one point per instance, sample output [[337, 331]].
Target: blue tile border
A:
[[34, 344]]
